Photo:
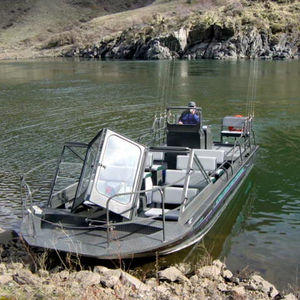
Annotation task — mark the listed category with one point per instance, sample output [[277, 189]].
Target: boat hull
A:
[[95, 243]]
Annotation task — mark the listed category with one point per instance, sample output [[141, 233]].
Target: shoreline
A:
[[24, 274]]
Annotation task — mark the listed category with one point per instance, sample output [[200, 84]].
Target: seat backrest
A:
[[219, 154], [236, 122], [158, 156], [208, 163], [173, 195], [177, 178], [149, 160]]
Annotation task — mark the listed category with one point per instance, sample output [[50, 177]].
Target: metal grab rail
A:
[[133, 207], [158, 188], [28, 194], [157, 131]]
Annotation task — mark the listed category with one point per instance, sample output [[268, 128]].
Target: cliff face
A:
[[179, 29], [251, 30]]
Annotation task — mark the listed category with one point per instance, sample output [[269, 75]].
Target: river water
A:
[[44, 103]]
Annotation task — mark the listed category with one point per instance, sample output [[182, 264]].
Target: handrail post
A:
[[163, 212], [107, 220]]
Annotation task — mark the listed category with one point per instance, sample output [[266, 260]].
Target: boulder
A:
[[132, 281], [238, 291], [222, 287], [264, 286], [5, 279], [3, 269], [172, 274], [151, 282], [61, 276], [156, 51], [290, 297], [43, 273], [211, 272], [87, 278], [108, 278], [227, 275], [24, 276]]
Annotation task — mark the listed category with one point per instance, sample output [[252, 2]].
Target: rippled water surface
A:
[[45, 103]]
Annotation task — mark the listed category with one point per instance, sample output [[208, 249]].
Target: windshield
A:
[[118, 168], [67, 174]]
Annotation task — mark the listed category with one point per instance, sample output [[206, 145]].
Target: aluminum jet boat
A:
[[115, 197]]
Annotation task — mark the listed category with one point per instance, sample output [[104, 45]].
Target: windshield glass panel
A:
[[118, 168], [68, 175]]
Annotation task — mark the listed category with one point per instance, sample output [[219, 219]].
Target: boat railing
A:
[[160, 189], [157, 133], [25, 188], [111, 225]]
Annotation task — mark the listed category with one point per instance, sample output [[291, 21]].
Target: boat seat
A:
[[208, 163], [173, 195], [219, 154], [148, 185], [172, 215], [177, 178], [158, 156], [236, 126], [149, 161]]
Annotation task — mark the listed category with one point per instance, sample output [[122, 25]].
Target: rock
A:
[[290, 297], [264, 286], [227, 275], [222, 287], [235, 280], [157, 51], [3, 269], [239, 291], [108, 278], [172, 274], [205, 282], [14, 267], [5, 279], [218, 264], [132, 281], [87, 278], [194, 280], [211, 272], [182, 35], [163, 292], [199, 292], [184, 268], [24, 276], [151, 282], [61, 276], [43, 273], [251, 286]]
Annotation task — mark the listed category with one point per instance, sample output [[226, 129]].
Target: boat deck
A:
[[148, 234]]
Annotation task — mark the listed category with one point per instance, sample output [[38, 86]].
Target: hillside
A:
[[146, 29], [26, 24]]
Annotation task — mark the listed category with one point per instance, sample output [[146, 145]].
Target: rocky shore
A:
[[24, 275], [247, 29]]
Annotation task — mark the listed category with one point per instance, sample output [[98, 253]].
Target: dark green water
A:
[[44, 103]]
